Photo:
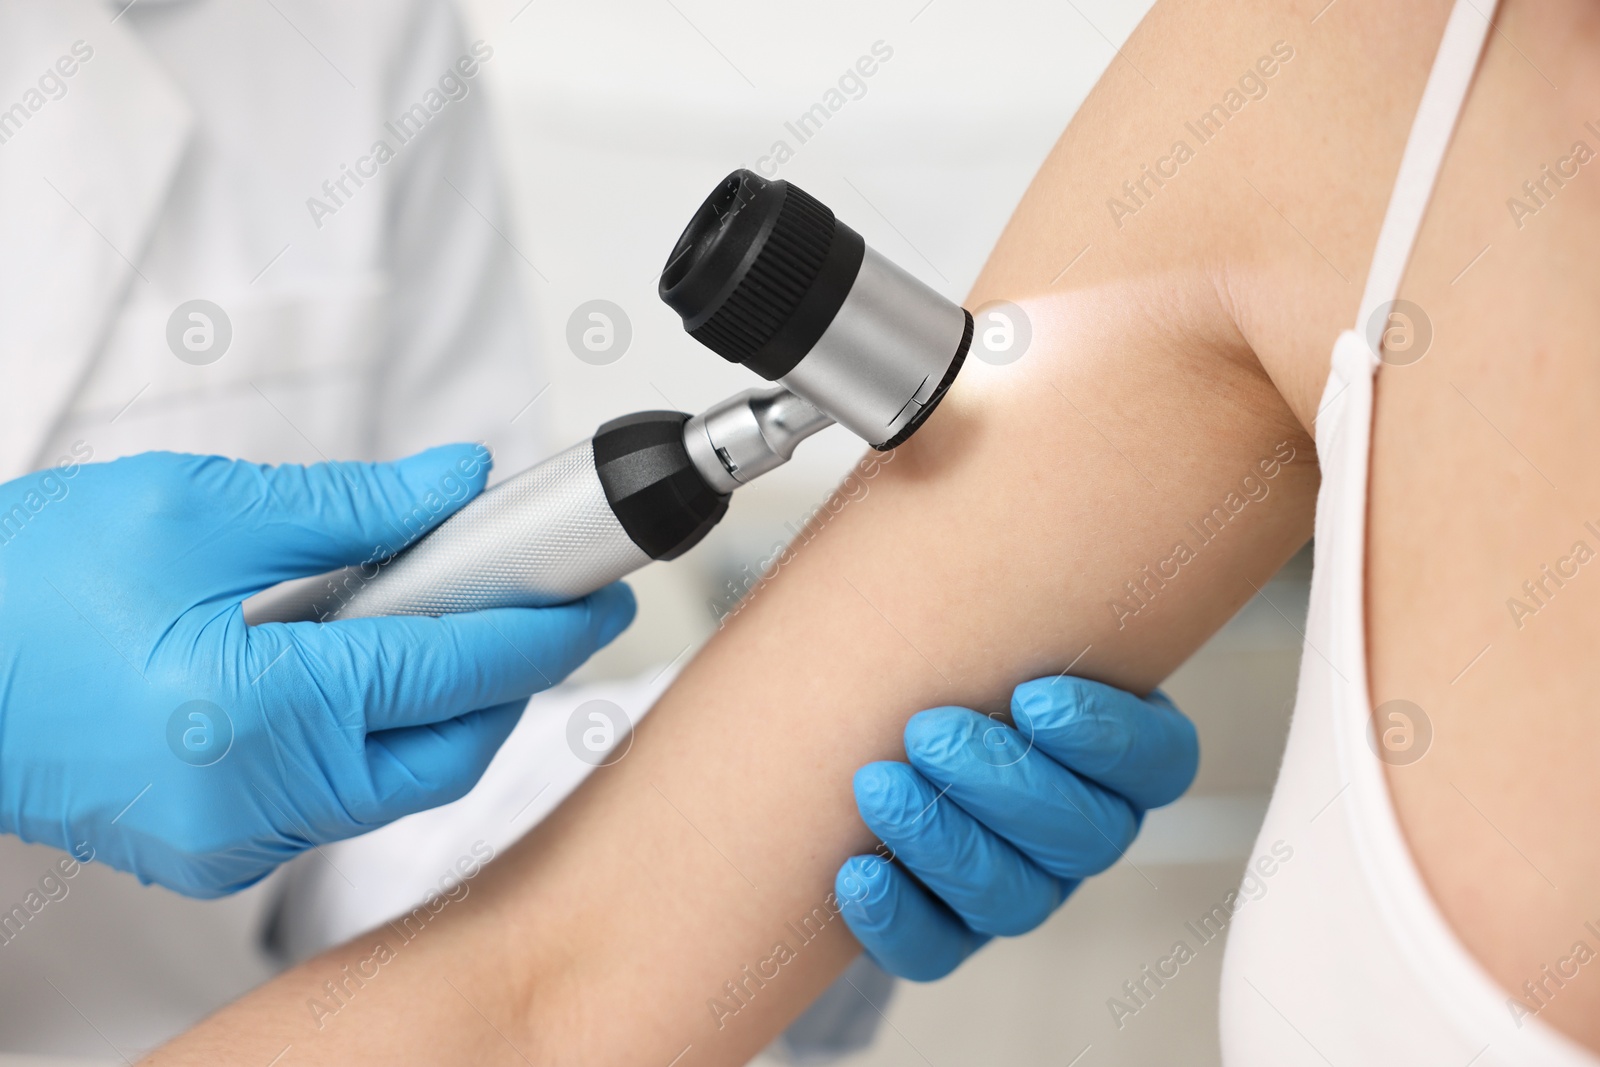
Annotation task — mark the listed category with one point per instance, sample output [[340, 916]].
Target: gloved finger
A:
[[901, 926], [1065, 824], [410, 670], [200, 875], [984, 880], [1147, 750], [419, 767], [306, 520]]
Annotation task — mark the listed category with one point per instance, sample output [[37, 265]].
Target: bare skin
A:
[[1184, 348], [1480, 477]]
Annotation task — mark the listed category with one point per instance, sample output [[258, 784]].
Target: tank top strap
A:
[[1431, 129]]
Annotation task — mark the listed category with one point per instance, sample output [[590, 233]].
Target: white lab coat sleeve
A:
[[456, 361]]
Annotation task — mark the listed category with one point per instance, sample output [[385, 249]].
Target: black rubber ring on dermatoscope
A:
[[760, 272], [664, 503]]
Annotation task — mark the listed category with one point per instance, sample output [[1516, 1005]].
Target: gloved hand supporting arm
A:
[[999, 823]]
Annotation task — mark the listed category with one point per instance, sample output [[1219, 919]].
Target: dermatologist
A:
[[275, 232]]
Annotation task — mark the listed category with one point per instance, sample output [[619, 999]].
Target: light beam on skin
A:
[[1062, 312]]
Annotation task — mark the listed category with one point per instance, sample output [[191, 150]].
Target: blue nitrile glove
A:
[[141, 717], [999, 824]]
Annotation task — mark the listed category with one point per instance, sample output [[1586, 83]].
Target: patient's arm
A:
[[990, 550], [987, 552], [993, 548]]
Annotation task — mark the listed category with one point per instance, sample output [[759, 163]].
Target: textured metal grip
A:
[[546, 536]]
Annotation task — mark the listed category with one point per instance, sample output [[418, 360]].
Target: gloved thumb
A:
[[328, 515]]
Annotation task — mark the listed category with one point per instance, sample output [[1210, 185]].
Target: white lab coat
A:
[[189, 145], [176, 162]]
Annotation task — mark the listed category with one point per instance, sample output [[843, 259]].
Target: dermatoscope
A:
[[764, 275]]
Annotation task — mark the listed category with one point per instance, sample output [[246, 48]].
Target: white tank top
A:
[[1336, 953]]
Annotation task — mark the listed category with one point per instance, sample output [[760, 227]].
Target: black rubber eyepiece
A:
[[760, 272]]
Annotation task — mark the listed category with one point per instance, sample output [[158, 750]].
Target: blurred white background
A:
[[615, 120]]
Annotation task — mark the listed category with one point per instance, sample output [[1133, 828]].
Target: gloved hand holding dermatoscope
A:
[[764, 275]]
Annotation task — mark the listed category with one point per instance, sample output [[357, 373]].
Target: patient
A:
[[1184, 302]]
